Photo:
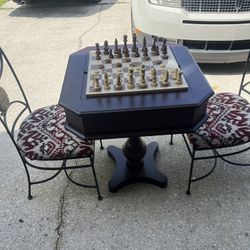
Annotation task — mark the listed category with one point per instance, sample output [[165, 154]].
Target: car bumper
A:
[[206, 56], [176, 23], [182, 27]]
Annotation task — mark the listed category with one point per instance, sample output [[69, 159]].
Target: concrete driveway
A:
[[38, 40]]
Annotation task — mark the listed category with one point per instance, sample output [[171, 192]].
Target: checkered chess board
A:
[[116, 66]]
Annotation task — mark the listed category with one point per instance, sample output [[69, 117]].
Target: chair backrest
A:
[[243, 84], [6, 104]]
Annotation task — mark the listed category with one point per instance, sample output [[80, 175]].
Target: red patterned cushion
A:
[[228, 123], [42, 136]]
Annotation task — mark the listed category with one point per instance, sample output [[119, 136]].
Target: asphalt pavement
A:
[[38, 40]]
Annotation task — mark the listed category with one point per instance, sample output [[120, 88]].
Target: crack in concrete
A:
[[61, 211], [91, 28]]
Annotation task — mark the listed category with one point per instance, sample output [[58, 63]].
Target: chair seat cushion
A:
[[42, 136], [228, 123]]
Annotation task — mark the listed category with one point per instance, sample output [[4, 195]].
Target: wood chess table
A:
[[133, 116]]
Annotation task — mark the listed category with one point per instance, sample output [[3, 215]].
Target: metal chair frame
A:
[[215, 150], [10, 129]]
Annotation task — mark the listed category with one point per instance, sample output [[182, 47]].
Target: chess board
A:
[[113, 67]]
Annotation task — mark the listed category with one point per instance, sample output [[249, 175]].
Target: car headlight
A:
[[168, 3]]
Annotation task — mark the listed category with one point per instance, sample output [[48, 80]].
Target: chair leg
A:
[[171, 139], [101, 147], [96, 182], [30, 197], [188, 192]]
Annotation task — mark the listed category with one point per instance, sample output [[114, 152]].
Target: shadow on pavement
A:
[[60, 8]]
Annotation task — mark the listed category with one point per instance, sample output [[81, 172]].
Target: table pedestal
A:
[[135, 163]]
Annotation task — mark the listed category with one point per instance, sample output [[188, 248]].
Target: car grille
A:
[[216, 5], [217, 45]]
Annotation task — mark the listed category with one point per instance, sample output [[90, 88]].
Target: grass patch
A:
[[2, 2]]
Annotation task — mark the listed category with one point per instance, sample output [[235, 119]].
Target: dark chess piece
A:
[[157, 51], [97, 47], [164, 47], [153, 48], [145, 52], [164, 42], [144, 43], [126, 53], [106, 47], [137, 53], [164, 50], [111, 56], [119, 55], [125, 40], [116, 47], [98, 57], [134, 47], [98, 52]]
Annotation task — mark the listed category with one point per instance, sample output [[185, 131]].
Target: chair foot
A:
[[171, 140], [99, 198], [188, 192], [30, 197], [101, 146]]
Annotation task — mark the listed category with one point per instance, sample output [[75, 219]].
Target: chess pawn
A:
[[119, 54], [157, 51], [97, 47], [137, 53], [178, 77], [164, 46], [126, 53], [165, 78], [97, 86], [111, 56], [98, 52], [106, 48], [164, 50], [131, 84], [153, 77], [175, 72], [93, 77], [118, 85], [106, 81], [98, 57], [145, 52], [162, 67], [164, 41]]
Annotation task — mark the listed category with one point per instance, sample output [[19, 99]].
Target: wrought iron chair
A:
[[42, 136], [228, 126]]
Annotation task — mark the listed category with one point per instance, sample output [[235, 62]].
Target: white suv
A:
[[215, 31]]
